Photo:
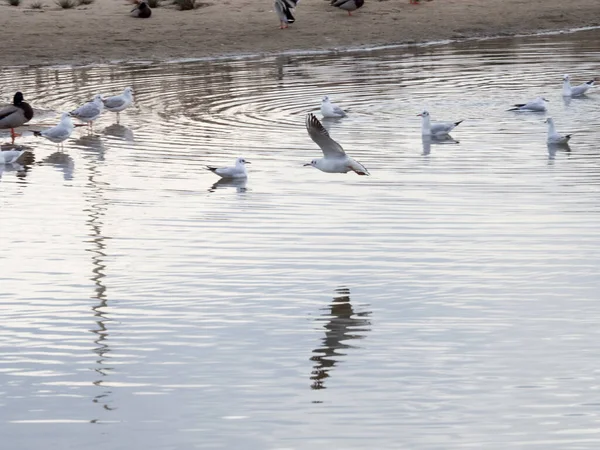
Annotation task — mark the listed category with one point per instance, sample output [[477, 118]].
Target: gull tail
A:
[[590, 83], [459, 122], [516, 107], [568, 137], [212, 169], [37, 133]]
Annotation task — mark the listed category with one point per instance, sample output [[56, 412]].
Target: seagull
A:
[[553, 136], [436, 129], [89, 111], [142, 10], [348, 5], [575, 91], [60, 132], [15, 115], [335, 159], [534, 105], [283, 8], [10, 156], [118, 103], [239, 171], [329, 110]]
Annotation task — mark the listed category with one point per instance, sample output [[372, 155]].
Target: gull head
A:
[[549, 120], [128, 91], [64, 116], [97, 98], [241, 162], [326, 99], [313, 163], [423, 114], [566, 77]]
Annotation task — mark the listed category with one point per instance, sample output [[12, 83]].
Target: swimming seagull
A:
[[118, 103], [15, 115], [238, 171], [553, 136], [539, 104], [60, 132], [10, 156], [436, 129], [283, 8], [348, 5], [89, 111], [329, 110], [575, 91], [335, 159], [141, 11]]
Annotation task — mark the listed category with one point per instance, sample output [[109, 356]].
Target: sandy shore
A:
[[103, 31]]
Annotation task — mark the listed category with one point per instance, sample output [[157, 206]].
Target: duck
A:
[[284, 8], [15, 115], [141, 11], [118, 103], [238, 171], [348, 5]]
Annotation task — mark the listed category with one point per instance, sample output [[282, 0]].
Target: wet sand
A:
[[104, 32]]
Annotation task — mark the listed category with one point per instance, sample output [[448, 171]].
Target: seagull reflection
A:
[[554, 148], [238, 183], [21, 168], [92, 145], [436, 140], [342, 325], [61, 161], [119, 131]]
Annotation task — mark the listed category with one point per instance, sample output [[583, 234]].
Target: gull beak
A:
[[307, 164], [419, 115], [247, 162]]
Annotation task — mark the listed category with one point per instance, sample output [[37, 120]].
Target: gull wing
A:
[[88, 110], [318, 133], [114, 102]]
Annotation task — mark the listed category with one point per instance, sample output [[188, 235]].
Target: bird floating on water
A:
[[59, 133], [335, 159], [284, 10], [15, 115], [331, 111], [553, 136], [575, 91], [238, 171], [89, 111], [538, 105], [348, 5], [436, 128], [118, 103]]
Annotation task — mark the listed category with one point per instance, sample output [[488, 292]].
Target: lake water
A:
[[450, 300]]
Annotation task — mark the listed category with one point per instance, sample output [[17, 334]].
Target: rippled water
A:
[[448, 301]]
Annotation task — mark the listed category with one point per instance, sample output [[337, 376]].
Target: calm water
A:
[[448, 301]]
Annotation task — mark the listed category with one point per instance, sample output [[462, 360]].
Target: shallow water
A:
[[448, 301]]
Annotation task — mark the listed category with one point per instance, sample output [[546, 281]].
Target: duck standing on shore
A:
[[15, 115], [348, 5], [284, 8], [142, 10]]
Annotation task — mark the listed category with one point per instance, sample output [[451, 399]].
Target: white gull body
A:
[[237, 171], [575, 91], [553, 136], [436, 128], [331, 111]]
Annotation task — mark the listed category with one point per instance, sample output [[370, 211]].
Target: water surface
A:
[[448, 301]]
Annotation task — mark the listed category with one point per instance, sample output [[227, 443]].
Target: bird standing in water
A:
[[15, 115]]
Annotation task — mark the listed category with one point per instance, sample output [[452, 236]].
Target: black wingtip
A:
[[37, 133], [591, 82], [458, 123], [212, 169]]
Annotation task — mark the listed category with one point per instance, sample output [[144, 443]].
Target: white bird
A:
[[238, 171], [329, 110], [10, 156], [284, 8], [60, 132], [553, 136], [89, 111], [575, 91], [539, 104], [335, 159], [436, 128], [118, 103]]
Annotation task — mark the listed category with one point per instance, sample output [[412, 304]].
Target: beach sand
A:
[[103, 31]]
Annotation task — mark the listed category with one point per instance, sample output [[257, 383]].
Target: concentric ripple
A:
[[447, 301]]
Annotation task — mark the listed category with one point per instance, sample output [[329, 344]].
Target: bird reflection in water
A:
[[238, 183], [119, 131], [60, 161], [428, 141], [342, 324]]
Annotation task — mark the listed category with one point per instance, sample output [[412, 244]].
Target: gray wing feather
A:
[[87, 110], [318, 133], [113, 102]]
